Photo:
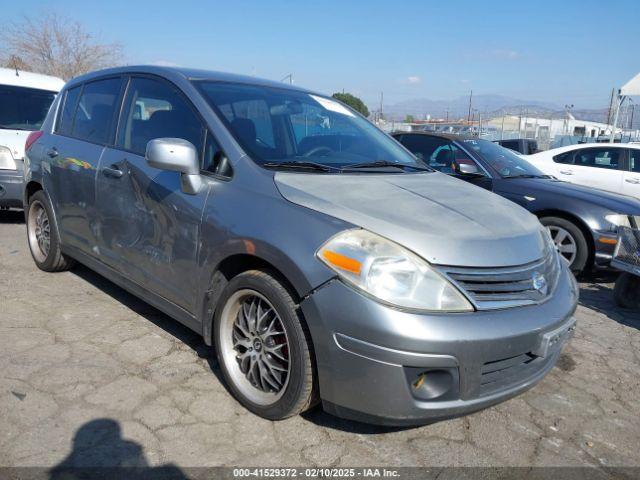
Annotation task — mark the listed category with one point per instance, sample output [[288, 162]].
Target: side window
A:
[[212, 157], [634, 160], [96, 110], [423, 146], [156, 109], [566, 158], [446, 157], [608, 158], [65, 117]]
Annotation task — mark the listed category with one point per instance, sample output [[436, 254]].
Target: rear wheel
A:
[[42, 233], [570, 242], [263, 347]]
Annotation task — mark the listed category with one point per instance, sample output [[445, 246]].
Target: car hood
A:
[[14, 141], [444, 220], [542, 186]]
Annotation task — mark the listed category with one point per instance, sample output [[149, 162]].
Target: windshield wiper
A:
[[384, 163], [301, 166]]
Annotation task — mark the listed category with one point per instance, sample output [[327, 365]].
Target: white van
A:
[[25, 99]]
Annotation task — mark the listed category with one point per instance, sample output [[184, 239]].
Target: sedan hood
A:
[[444, 220], [540, 186]]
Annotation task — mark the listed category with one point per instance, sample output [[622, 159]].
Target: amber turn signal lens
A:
[[342, 261]]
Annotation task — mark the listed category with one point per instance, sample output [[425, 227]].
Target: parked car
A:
[[582, 221], [525, 146], [262, 216], [613, 167], [25, 99]]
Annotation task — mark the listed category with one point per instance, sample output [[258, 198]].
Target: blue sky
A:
[[562, 51]]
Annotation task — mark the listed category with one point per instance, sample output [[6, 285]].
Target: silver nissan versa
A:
[[323, 260]]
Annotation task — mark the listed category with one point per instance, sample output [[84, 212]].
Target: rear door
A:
[[83, 128], [149, 229], [599, 167], [631, 177]]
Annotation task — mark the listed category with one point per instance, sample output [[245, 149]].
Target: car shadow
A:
[[596, 293], [100, 451], [11, 216]]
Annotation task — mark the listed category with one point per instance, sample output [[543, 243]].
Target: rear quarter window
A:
[[566, 158], [67, 112]]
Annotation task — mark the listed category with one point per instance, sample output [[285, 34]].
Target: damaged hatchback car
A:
[[322, 259]]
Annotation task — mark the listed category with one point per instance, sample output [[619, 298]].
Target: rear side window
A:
[[65, 120], [155, 109], [566, 158], [96, 110]]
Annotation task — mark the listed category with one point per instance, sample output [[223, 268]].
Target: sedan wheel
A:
[[39, 231], [564, 241]]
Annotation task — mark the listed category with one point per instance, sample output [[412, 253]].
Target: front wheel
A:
[[263, 347], [570, 242]]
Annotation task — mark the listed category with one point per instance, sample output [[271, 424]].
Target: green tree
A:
[[353, 101], [409, 119]]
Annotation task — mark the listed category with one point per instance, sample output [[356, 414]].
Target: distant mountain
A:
[[457, 108]]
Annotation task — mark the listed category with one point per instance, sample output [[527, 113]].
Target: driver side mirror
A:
[[177, 155], [468, 169]]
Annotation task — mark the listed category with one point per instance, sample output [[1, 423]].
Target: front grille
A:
[[492, 288]]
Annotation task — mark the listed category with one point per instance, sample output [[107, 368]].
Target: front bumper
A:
[[11, 186], [382, 365]]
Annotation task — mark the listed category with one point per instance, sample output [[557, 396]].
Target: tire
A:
[[43, 237], [626, 291], [275, 395], [574, 236]]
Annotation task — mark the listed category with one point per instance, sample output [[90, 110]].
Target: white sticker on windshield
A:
[[332, 105]]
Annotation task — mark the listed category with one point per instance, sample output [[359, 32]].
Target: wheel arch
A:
[[577, 221]]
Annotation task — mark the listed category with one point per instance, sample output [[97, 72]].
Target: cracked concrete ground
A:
[[89, 375]]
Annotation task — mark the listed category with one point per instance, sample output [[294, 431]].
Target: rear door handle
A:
[[52, 152], [635, 181], [113, 171], [566, 172]]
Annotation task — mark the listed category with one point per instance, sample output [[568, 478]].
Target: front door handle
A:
[[566, 172], [52, 152], [113, 171], [635, 181]]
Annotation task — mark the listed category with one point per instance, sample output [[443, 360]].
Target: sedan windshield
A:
[[289, 129], [23, 108], [503, 160]]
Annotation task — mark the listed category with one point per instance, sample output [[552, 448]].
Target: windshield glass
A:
[[23, 108], [507, 163], [276, 125]]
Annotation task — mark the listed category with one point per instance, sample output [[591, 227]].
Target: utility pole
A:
[[618, 104], [613, 94], [290, 77], [470, 97], [381, 103], [502, 129]]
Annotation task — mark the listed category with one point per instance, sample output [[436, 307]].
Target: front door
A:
[[149, 228]]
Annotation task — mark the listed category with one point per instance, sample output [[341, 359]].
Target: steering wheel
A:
[[316, 150]]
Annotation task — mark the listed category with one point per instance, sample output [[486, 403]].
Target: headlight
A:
[[390, 273], [6, 159]]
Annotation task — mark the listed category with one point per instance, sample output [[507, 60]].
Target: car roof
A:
[[581, 146], [447, 136], [20, 78], [188, 74]]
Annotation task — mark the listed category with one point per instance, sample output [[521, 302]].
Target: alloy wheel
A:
[[255, 347], [564, 242], [39, 231]]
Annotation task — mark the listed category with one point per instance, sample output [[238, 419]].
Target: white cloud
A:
[[413, 79]]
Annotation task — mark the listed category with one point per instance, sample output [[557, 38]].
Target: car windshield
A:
[[284, 128], [23, 108], [507, 163]]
